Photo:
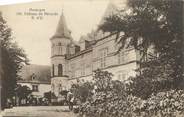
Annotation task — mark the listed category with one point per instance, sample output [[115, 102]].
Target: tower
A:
[[59, 43]]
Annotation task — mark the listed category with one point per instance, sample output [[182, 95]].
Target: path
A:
[[38, 111]]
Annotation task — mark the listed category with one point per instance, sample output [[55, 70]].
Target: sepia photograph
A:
[[92, 58]]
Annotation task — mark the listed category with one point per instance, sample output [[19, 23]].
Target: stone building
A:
[[37, 78], [72, 60]]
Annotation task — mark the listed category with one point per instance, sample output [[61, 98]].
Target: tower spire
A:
[[62, 30], [62, 10]]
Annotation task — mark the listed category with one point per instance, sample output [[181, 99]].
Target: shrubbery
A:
[[82, 91], [164, 104], [116, 100]]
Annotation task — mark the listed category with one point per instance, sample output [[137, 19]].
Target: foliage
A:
[[143, 87], [102, 80], [12, 58], [47, 95], [23, 92], [164, 104], [117, 101], [170, 103], [82, 91], [105, 89], [156, 24], [152, 79]]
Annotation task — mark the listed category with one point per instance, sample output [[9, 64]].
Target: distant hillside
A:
[[42, 73]]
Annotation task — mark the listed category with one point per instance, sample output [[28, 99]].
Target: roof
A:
[[35, 73], [79, 53], [95, 35], [62, 30]]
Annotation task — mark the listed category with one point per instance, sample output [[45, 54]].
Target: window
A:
[[103, 55], [53, 70], [72, 70], [122, 57], [59, 44], [52, 49], [35, 88], [60, 70], [149, 56], [59, 47], [33, 76], [60, 50], [82, 68]]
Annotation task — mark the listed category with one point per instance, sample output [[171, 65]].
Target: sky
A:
[[33, 34]]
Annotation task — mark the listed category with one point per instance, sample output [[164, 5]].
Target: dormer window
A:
[[59, 44], [33, 76]]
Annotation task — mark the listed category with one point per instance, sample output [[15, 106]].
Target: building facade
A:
[[37, 78], [72, 61]]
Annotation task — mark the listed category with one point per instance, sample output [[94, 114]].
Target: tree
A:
[[103, 80], [82, 90], [156, 24], [47, 95], [22, 92], [12, 58]]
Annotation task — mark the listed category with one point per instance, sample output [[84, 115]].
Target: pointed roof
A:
[[62, 30]]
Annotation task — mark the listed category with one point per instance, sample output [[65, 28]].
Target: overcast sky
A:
[[33, 35]]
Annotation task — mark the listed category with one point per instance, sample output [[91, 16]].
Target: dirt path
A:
[[42, 111]]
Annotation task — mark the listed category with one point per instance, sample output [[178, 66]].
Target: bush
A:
[[164, 104], [170, 103], [82, 91], [143, 87], [117, 99]]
